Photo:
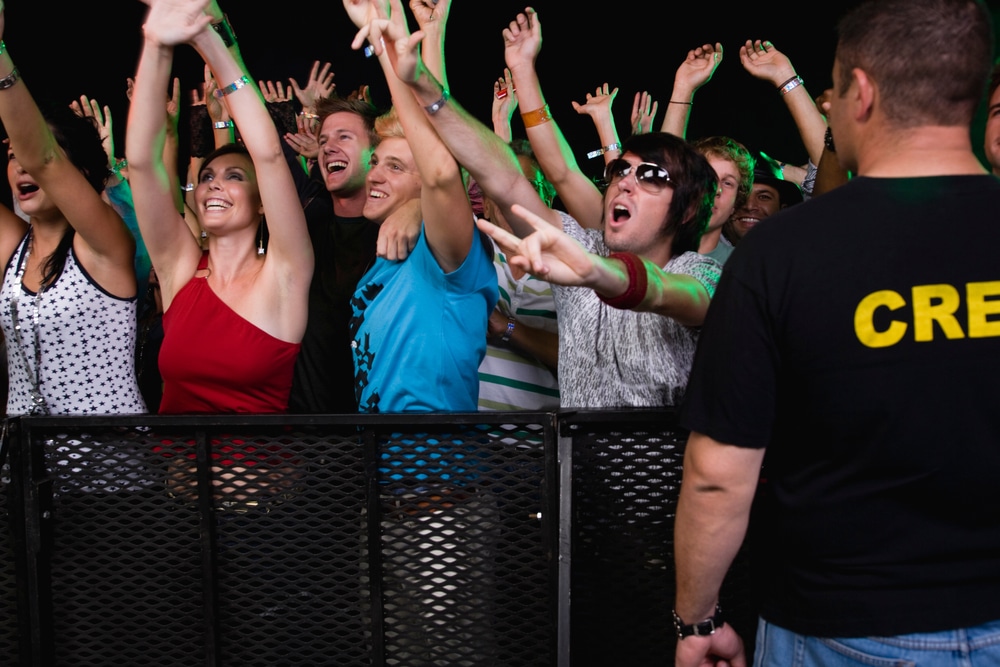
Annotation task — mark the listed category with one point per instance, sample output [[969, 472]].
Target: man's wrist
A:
[[702, 628]]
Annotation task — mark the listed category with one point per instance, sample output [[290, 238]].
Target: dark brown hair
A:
[[929, 58]]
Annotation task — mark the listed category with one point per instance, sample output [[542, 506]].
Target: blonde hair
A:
[[388, 125]]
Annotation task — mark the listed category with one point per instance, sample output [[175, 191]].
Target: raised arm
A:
[[504, 105], [488, 158], [36, 150], [173, 250], [623, 280], [762, 60], [444, 200], [578, 193], [289, 251], [696, 70], [598, 107]]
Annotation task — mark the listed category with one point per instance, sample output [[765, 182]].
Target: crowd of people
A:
[[311, 252]]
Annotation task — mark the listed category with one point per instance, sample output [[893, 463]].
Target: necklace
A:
[[38, 404]]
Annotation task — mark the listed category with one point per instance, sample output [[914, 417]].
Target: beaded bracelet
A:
[[233, 87], [638, 281]]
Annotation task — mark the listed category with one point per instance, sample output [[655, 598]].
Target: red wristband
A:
[[638, 281]]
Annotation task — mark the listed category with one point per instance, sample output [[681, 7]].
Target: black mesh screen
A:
[[626, 479], [292, 544], [371, 540], [9, 613]]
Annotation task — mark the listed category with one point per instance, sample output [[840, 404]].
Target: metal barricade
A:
[[501, 539]]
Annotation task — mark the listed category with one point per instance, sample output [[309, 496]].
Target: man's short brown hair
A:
[[929, 58]]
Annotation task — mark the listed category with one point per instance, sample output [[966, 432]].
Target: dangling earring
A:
[[260, 236]]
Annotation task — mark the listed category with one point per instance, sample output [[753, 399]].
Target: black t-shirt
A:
[[856, 336], [344, 249]]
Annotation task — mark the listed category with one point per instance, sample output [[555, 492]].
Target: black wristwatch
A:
[[706, 627]]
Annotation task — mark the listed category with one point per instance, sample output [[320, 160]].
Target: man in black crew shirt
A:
[[855, 338]]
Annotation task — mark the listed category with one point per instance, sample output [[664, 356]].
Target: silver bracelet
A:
[[233, 87], [10, 79], [604, 149]]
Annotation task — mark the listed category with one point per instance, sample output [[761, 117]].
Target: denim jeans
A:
[[965, 647]]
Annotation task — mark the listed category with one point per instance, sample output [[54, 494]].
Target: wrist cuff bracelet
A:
[[706, 627], [635, 271], [536, 117]]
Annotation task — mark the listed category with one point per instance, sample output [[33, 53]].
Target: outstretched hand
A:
[[522, 40], [764, 61], [101, 116], [431, 15], [547, 253], [318, 86], [304, 140], [274, 92], [698, 67], [172, 22], [598, 104], [387, 25], [643, 113]]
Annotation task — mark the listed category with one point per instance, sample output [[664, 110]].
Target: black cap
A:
[[768, 172]]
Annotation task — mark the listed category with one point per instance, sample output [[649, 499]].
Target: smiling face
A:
[[344, 152], [392, 179], [227, 196], [725, 196], [764, 201], [635, 215]]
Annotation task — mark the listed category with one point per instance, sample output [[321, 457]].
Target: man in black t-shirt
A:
[[344, 242], [855, 338]]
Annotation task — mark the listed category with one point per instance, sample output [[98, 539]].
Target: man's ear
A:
[[865, 93]]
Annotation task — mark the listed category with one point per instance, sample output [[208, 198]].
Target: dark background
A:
[[65, 49]]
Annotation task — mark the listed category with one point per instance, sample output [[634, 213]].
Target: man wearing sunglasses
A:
[[854, 338], [657, 203]]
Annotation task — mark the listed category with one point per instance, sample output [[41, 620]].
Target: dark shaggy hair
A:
[[693, 182]]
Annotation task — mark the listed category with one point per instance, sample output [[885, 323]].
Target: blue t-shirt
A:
[[419, 334]]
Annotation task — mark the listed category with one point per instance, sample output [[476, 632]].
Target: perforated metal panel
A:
[[9, 610], [371, 540], [300, 544], [627, 471]]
